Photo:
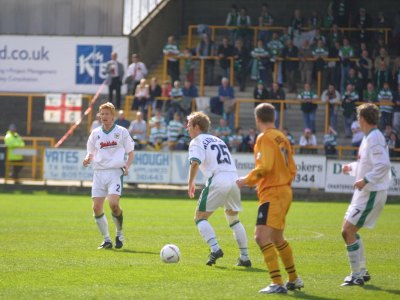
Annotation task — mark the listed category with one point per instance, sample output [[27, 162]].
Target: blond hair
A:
[[108, 105], [201, 119]]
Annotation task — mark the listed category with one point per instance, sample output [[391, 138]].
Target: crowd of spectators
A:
[[351, 66]]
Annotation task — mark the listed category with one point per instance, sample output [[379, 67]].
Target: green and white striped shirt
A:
[[171, 49], [385, 96]]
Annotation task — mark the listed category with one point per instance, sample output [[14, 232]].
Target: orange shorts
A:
[[274, 204]]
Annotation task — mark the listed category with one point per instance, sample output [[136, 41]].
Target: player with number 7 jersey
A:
[[211, 155]]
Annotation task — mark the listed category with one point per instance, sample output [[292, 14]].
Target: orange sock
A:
[[271, 260], [286, 254]]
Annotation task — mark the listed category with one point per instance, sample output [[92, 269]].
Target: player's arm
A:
[[90, 152], [129, 162], [193, 169], [264, 163], [381, 164]]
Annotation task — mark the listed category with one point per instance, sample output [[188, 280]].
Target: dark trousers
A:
[[16, 169], [173, 70], [115, 86]]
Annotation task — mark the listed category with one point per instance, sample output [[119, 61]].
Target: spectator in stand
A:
[[307, 142], [308, 106], [13, 140], [231, 20], [330, 141], [306, 65], [318, 37], [250, 140], [364, 65], [115, 74], [285, 36], [136, 71], [381, 22], [157, 117], [226, 95], [96, 123], [155, 91], [121, 121], [363, 21], [314, 21], [396, 110], [396, 72], [291, 67], [349, 99], [334, 67], [275, 48], [320, 53], [142, 97], [382, 75], [225, 50], [332, 96], [335, 36], [223, 131], [184, 139], [357, 135], [260, 93], [260, 66], [383, 57], [277, 93], [236, 141], [296, 24], [206, 47], [189, 92], [174, 131], [385, 95], [354, 80], [188, 65], [243, 23], [386, 132], [329, 19], [345, 53], [341, 12], [289, 136], [241, 56], [158, 136], [370, 94], [265, 20], [138, 131], [171, 50], [166, 88], [176, 96], [393, 143]]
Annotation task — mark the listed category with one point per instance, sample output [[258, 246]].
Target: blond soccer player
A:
[[273, 174], [106, 149]]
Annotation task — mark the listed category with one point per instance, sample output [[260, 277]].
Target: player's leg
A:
[[114, 194], [101, 221], [208, 202], [240, 236]]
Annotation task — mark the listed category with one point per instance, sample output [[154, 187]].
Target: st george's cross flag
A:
[[62, 108]]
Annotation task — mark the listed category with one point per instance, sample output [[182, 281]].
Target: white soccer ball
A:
[[170, 254]]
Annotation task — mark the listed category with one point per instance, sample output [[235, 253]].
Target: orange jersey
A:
[[274, 165]]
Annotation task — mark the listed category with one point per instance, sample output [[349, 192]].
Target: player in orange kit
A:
[[273, 174]]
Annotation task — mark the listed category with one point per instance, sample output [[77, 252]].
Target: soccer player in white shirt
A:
[[106, 149], [372, 178], [211, 155]]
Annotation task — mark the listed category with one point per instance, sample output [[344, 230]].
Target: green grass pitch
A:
[[48, 251]]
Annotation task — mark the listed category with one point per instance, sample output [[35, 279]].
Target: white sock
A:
[[102, 224], [353, 252], [241, 239], [208, 234], [118, 221], [363, 261]]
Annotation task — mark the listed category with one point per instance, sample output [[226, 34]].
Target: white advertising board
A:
[[150, 167], [57, 64], [337, 182], [310, 171], [180, 169]]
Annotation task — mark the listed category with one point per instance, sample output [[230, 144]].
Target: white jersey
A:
[[373, 162], [212, 154], [109, 147]]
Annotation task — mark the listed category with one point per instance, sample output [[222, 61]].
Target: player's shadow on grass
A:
[[377, 288], [302, 295], [136, 252], [242, 269]]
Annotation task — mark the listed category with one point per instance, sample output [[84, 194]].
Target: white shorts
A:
[[220, 191], [365, 208], [107, 182]]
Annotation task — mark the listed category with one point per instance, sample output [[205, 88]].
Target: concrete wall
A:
[[150, 38], [61, 17]]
